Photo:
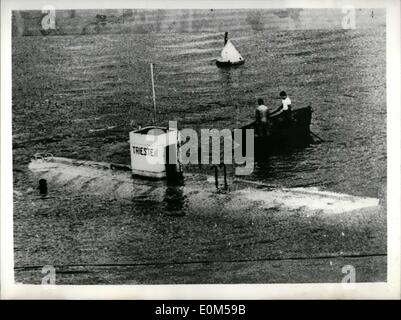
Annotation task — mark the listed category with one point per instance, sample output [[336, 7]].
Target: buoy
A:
[[229, 55]]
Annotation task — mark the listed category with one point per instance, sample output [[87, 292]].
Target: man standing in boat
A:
[[285, 107], [262, 118]]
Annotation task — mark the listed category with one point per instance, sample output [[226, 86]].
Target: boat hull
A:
[[227, 64]]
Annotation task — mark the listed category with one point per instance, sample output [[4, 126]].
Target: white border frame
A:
[[389, 290]]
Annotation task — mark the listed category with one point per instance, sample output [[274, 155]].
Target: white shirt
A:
[[263, 112], [286, 102], [262, 108]]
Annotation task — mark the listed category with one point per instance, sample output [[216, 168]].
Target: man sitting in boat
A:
[[285, 105], [262, 121]]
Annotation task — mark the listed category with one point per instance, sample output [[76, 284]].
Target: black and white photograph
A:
[[200, 145]]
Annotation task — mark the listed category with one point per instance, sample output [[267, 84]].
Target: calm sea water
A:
[[66, 86]]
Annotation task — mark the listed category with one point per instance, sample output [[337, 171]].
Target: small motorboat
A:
[[283, 130], [230, 56]]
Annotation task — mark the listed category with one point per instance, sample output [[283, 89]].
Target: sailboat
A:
[[229, 55]]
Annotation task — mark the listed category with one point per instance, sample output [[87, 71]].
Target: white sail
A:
[[229, 53]]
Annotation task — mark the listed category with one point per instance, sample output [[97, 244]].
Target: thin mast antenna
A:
[[153, 91]]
